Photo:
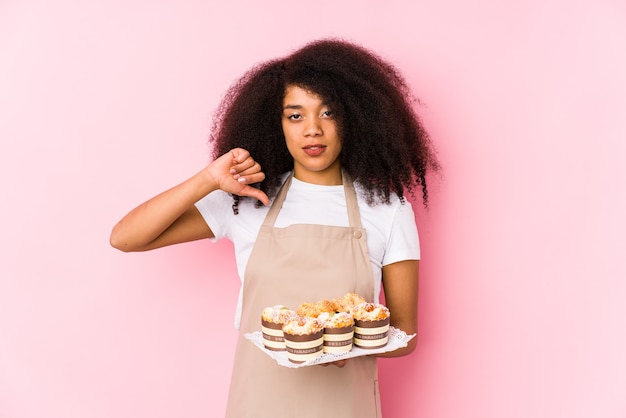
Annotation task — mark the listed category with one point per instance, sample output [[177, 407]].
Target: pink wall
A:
[[103, 104]]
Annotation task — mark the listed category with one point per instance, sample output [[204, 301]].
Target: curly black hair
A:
[[385, 148]]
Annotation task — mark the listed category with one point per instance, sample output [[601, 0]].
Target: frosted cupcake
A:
[[371, 325], [304, 339], [272, 320], [338, 332]]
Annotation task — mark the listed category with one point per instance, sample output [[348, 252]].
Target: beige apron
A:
[[288, 266]]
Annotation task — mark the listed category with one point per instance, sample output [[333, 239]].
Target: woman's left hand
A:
[[338, 363]]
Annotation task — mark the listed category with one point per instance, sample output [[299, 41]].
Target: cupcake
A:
[[348, 302], [313, 310], [371, 325], [272, 320], [304, 339], [338, 332]]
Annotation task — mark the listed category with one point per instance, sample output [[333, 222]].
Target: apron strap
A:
[[354, 216], [272, 214]]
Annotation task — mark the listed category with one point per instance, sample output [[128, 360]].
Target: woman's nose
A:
[[313, 127]]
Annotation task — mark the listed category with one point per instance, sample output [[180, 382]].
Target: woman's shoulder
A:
[[385, 216]]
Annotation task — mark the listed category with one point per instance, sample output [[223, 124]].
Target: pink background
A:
[[106, 103]]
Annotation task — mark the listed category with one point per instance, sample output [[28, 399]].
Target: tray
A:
[[397, 339]]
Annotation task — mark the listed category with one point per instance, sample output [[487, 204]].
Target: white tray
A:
[[397, 339]]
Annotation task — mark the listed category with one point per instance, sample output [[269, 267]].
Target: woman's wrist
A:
[[205, 182]]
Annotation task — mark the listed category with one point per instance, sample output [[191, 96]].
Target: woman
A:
[[314, 153]]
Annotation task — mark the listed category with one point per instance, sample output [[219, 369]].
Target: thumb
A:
[[255, 193]]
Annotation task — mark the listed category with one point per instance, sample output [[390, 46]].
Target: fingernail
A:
[[241, 180]]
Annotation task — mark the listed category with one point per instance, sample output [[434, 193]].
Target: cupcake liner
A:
[[371, 334], [273, 338], [338, 340], [301, 348]]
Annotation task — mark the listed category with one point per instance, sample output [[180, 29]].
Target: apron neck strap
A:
[[354, 216]]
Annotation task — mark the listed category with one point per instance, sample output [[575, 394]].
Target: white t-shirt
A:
[[391, 230]]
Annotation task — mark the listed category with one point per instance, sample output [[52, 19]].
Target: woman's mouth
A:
[[314, 149]]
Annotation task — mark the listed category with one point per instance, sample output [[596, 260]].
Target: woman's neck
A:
[[331, 176]]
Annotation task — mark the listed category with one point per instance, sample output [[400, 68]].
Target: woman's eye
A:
[[294, 117], [328, 114]]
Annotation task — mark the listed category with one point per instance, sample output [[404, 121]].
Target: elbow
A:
[[117, 241], [113, 241], [117, 246], [411, 345]]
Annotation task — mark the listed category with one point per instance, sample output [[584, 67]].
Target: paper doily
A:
[[397, 339]]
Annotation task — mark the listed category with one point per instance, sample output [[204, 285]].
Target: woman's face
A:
[[312, 137]]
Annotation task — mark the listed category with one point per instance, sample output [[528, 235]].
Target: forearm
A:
[[400, 282], [144, 224]]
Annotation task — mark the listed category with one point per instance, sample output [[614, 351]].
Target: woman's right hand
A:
[[171, 217], [234, 171]]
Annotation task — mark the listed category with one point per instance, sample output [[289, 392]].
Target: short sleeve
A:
[[403, 242], [216, 209]]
